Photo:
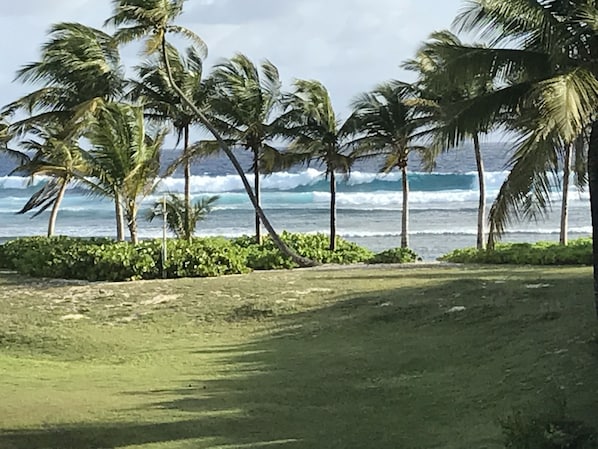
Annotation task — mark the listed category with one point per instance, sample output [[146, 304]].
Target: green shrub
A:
[[395, 255], [313, 246], [578, 252], [103, 259], [204, 257]]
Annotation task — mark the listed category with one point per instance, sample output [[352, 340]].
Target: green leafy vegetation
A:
[[577, 252], [395, 255], [337, 358], [102, 259]]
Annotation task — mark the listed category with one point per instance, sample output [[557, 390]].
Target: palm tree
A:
[[153, 20], [177, 216], [246, 99], [543, 56], [439, 96], [79, 66], [317, 135], [57, 156], [124, 160], [388, 126], [162, 104]]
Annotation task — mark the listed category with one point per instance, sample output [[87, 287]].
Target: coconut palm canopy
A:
[[79, 65]]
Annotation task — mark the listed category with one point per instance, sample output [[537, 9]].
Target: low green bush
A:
[[577, 252], [313, 246], [395, 255], [103, 259]]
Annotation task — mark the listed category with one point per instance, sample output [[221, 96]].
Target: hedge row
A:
[[577, 252], [103, 259]]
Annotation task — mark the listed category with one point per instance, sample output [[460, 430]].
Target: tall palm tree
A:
[[317, 135], [57, 156], [388, 126], [124, 161], [246, 99], [163, 104], [440, 94], [543, 56], [153, 20]]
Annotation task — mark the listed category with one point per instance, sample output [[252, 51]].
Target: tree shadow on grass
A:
[[376, 370]]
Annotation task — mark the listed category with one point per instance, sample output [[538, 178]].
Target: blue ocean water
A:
[[443, 204]]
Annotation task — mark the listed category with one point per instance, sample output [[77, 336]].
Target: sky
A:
[[349, 45]]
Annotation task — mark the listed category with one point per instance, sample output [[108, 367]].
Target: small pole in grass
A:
[[164, 249]]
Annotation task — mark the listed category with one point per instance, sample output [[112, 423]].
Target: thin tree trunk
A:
[[491, 237], [187, 218], [55, 207], [482, 199], [299, 260], [405, 212], [257, 192], [120, 219], [565, 199], [593, 182], [132, 222], [332, 211]]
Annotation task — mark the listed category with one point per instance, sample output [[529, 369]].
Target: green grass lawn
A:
[[303, 359]]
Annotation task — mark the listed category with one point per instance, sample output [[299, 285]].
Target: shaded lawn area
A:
[[354, 358]]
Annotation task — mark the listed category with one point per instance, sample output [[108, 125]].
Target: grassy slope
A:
[[300, 359]]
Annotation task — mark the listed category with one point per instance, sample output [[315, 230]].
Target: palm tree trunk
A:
[[120, 219], [186, 219], [332, 211], [132, 222], [593, 182], [405, 212], [257, 191], [55, 207], [482, 184], [491, 237], [565, 200], [299, 260]]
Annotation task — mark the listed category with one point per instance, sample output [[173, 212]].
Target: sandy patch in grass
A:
[[159, 299]]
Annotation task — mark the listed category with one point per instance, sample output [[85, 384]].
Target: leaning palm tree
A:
[[177, 215], [152, 20], [388, 126], [540, 53], [162, 104], [246, 100], [124, 161], [317, 136], [57, 156]]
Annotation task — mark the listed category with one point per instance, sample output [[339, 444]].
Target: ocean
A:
[[443, 204]]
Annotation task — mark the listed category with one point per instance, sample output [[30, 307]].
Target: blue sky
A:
[[349, 45]]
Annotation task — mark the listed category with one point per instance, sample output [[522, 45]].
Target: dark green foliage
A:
[[203, 257], [578, 252], [103, 259], [395, 255], [546, 431], [312, 246]]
